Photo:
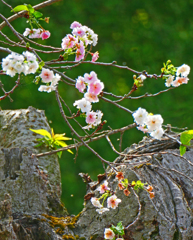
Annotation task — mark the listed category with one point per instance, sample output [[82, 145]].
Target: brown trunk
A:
[[30, 189]]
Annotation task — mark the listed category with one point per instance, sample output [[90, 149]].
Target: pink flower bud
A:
[[45, 35]]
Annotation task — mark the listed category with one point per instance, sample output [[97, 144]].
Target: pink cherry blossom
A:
[[46, 75], [75, 24], [113, 201], [80, 85], [95, 56], [89, 78], [179, 81], [45, 35], [90, 117], [103, 187], [35, 33], [143, 128], [96, 87], [68, 42], [91, 97], [78, 31], [79, 55]]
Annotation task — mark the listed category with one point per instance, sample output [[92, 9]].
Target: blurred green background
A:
[[139, 34]]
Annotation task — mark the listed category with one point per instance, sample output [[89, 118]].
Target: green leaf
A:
[[119, 229], [37, 14], [30, 8], [185, 139], [20, 8], [59, 154], [182, 150], [42, 132], [186, 136]]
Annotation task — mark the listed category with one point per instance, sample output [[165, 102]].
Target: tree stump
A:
[[30, 189]]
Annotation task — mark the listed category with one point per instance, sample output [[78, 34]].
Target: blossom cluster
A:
[[149, 123], [180, 78], [20, 63], [94, 87], [47, 76], [112, 200], [37, 33], [80, 38]]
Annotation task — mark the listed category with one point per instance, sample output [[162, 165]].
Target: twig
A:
[[20, 14], [6, 94], [139, 210], [88, 141]]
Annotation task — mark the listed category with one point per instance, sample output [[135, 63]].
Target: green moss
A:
[[60, 223]]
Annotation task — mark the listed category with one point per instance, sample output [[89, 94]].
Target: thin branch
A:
[[10, 26], [88, 141], [139, 210], [74, 131], [2, 49], [20, 14], [6, 94]]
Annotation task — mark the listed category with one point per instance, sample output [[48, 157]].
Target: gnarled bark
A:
[[30, 189]]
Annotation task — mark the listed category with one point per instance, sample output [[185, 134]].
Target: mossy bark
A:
[[30, 189]]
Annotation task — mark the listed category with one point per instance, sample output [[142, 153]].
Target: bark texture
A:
[[30, 189]]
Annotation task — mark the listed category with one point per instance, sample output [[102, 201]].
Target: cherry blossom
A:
[[14, 63], [108, 234], [46, 75], [45, 34], [99, 115], [169, 81], [75, 24], [29, 56], [80, 84], [91, 97], [120, 176], [95, 202], [32, 67], [183, 70], [140, 116], [45, 88], [113, 201], [96, 87], [90, 78], [120, 185], [78, 31], [158, 133], [68, 42], [154, 122], [90, 117], [102, 210], [143, 128], [103, 187], [83, 104], [126, 192], [179, 81], [95, 56]]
